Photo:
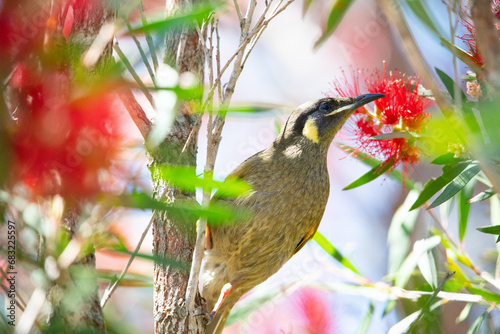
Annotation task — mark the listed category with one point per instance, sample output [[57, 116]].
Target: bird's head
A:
[[317, 122]]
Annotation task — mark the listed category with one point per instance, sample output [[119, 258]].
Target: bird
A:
[[289, 191]]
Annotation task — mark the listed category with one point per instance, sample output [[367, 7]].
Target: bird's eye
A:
[[325, 107]]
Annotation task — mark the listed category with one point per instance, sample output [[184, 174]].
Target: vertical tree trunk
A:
[[173, 237]]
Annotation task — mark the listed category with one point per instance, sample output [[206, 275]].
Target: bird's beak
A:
[[358, 103]]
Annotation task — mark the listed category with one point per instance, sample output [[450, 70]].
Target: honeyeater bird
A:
[[289, 191]]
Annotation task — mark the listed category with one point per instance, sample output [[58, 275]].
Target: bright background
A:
[[285, 70]]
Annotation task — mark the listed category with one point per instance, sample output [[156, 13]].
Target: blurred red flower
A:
[[62, 143], [314, 312], [401, 112]]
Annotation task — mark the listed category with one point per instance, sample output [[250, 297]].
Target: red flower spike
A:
[[401, 110], [61, 145]]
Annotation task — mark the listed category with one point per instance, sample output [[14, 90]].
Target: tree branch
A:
[[136, 112]]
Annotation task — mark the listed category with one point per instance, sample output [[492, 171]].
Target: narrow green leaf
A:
[[403, 325], [371, 175], [158, 259], [450, 84], [446, 159], [421, 12], [476, 326], [392, 135], [463, 208], [367, 319], [400, 232], [456, 185], [306, 5], [487, 295], [198, 13], [434, 185], [330, 249], [466, 109], [482, 196], [186, 179], [464, 314], [338, 11], [249, 109], [462, 55], [427, 266], [372, 162], [420, 248], [494, 229]]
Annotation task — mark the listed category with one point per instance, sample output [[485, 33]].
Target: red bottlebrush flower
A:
[[402, 110], [61, 144], [470, 38], [313, 310], [470, 41]]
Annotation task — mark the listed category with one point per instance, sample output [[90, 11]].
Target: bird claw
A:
[[209, 316]]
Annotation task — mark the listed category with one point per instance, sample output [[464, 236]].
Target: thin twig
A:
[[109, 291], [136, 112], [238, 10]]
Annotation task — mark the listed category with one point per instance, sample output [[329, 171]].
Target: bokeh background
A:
[[284, 71]]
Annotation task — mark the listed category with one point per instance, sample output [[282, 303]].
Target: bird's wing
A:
[[238, 173], [306, 238]]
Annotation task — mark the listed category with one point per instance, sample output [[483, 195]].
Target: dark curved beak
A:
[[357, 102], [364, 99]]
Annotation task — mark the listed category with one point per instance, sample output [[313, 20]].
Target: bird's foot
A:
[[208, 316]]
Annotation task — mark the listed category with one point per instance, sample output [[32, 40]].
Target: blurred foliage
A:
[[422, 275]]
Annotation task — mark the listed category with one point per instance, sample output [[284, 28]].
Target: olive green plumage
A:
[[290, 188]]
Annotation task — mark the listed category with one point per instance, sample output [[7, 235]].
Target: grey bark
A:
[[174, 237]]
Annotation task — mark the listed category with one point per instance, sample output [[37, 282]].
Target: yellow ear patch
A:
[[310, 131]]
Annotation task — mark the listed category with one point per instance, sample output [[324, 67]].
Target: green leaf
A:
[[367, 319], [450, 84], [306, 5], [456, 185], [476, 326], [372, 162], [484, 195], [434, 185], [196, 14], [494, 229], [249, 109], [487, 295], [400, 231], [422, 13], [338, 11], [446, 159], [420, 248], [462, 55], [464, 314], [165, 261], [186, 179], [403, 325], [330, 249], [463, 208], [469, 116], [186, 211], [427, 266], [371, 175], [392, 135]]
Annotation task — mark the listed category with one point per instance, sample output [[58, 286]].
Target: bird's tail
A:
[[217, 324]]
